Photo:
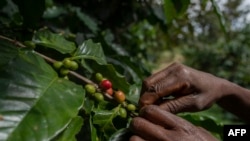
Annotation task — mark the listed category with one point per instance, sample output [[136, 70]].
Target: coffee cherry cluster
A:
[[105, 87], [65, 66], [99, 91]]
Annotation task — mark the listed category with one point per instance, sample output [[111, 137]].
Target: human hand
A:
[[155, 124], [193, 90]]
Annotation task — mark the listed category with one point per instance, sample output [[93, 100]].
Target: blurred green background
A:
[[140, 37]]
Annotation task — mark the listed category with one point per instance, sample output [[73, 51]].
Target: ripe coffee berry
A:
[[109, 91], [105, 84], [119, 96]]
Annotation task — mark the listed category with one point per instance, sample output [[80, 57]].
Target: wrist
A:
[[230, 89], [236, 100]]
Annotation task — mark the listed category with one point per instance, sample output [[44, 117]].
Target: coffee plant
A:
[[72, 70]]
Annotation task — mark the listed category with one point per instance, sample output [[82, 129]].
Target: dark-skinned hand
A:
[[193, 90], [155, 124]]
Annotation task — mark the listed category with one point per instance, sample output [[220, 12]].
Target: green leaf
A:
[[220, 16], [134, 93], [10, 14], [181, 6], [104, 120], [88, 105], [72, 129], [93, 130], [170, 11], [7, 52], [174, 8], [55, 41], [121, 135], [88, 21], [31, 11], [54, 12], [205, 121], [129, 66], [88, 131], [34, 103], [91, 50]]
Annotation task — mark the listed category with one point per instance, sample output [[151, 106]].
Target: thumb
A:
[[188, 103]]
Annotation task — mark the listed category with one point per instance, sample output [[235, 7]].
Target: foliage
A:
[[220, 47], [120, 40]]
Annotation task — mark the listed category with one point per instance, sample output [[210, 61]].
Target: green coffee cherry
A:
[[90, 88], [30, 44], [98, 97], [122, 112], [57, 65], [131, 107], [64, 71], [73, 65], [67, 63], [66, 77], [98, 77]]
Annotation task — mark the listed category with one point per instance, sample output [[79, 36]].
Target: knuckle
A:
[[146, 110], [199, 104], [136, 123]]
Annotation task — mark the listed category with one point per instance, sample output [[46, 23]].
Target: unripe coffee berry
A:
[[67, 63], [64, 71], [122, 112], [90, 88], [57, 64], [98, 77], [73, 65], [131, 107], [98, 97], [30, 44]]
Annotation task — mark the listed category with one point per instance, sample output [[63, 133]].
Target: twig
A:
[[51, 60], [48, 59], [86, 80], [13, 41]]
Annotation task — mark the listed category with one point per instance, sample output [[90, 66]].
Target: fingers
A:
[[147, 130], [136, 138], [160, 117], [149, 98], [155, 78], [156, 124], [188, 103]]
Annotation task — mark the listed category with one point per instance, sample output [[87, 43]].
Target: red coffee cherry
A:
[[105, 84], [109, 91]]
